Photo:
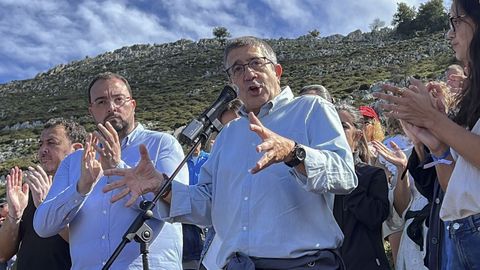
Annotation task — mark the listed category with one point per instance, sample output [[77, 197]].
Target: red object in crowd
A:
[[369, 112]]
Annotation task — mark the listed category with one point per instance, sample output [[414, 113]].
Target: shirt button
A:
[[246, 198], [437, 201], [103, 237], [244, 228], [104, 212], [76, 201], [456, 226], [434, 240]]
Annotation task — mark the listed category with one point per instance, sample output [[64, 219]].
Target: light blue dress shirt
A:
[[278, 212], [96, 225]]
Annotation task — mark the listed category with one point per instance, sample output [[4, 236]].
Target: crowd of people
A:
[[290, 182]]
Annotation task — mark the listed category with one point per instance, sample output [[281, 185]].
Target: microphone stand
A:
[[139, 230]]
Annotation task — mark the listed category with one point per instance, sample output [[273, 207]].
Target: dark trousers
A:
[[322, 260]]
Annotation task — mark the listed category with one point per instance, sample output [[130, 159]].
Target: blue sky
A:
[[40, 34]]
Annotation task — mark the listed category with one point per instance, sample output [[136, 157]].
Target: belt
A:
[[327, 259]]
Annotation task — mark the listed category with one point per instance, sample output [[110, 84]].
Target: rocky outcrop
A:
[[174, 82]]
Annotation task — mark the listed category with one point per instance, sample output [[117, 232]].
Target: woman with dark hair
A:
[[361, 213], [454, 144]]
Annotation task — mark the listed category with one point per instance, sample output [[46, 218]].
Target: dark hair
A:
[[250, 42], [76, 133], [468, 100], [319, 90], [107, 76]]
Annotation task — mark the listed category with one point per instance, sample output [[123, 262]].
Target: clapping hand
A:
[[394, 156], [91, 169], [39, 183], [110, 150], [17, 194], [413, 104]]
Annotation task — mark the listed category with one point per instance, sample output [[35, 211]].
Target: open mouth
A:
[[254, 89]]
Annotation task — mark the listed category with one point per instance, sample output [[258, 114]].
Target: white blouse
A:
[[462, 197]]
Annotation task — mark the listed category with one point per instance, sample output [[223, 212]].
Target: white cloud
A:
[[41, 34]]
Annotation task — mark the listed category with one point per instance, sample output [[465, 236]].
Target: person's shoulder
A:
[[73, 159], [313, 102], [364, 169], [158, 135], [74, 155]]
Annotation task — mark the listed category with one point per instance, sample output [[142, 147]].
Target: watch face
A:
[[300, 153]]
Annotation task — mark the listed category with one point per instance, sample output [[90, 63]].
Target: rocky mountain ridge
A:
[[174, 82]]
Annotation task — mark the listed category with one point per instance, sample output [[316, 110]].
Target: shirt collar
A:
[[283, 98], [133, 135]]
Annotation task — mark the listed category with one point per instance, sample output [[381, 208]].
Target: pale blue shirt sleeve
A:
[[328, 163], [62, 202], [166, 162]]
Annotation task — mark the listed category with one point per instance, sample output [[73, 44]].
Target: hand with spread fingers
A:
[[91, 169], [39, 183], [17, 194], [142, 179], [110, 149], [394, 156], [413, 104], [276, 148]]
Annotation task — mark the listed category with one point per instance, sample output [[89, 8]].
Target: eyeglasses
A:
[[117, 102], [455, 21], [257, 64]]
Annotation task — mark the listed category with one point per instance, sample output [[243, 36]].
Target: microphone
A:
[[209, 118]]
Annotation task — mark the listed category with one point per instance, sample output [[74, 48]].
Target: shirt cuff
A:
[[180, 203], [314, 164]]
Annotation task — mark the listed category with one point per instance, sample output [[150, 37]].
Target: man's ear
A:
[[77, 146], [278, 70]]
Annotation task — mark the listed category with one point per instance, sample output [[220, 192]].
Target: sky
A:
[[37, 35]]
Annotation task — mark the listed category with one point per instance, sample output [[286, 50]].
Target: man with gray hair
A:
[[269, 184]]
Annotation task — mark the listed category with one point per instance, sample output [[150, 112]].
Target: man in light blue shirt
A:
[[269, 184], [76, 198]]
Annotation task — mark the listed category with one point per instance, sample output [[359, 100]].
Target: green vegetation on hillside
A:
[[174, 82]]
